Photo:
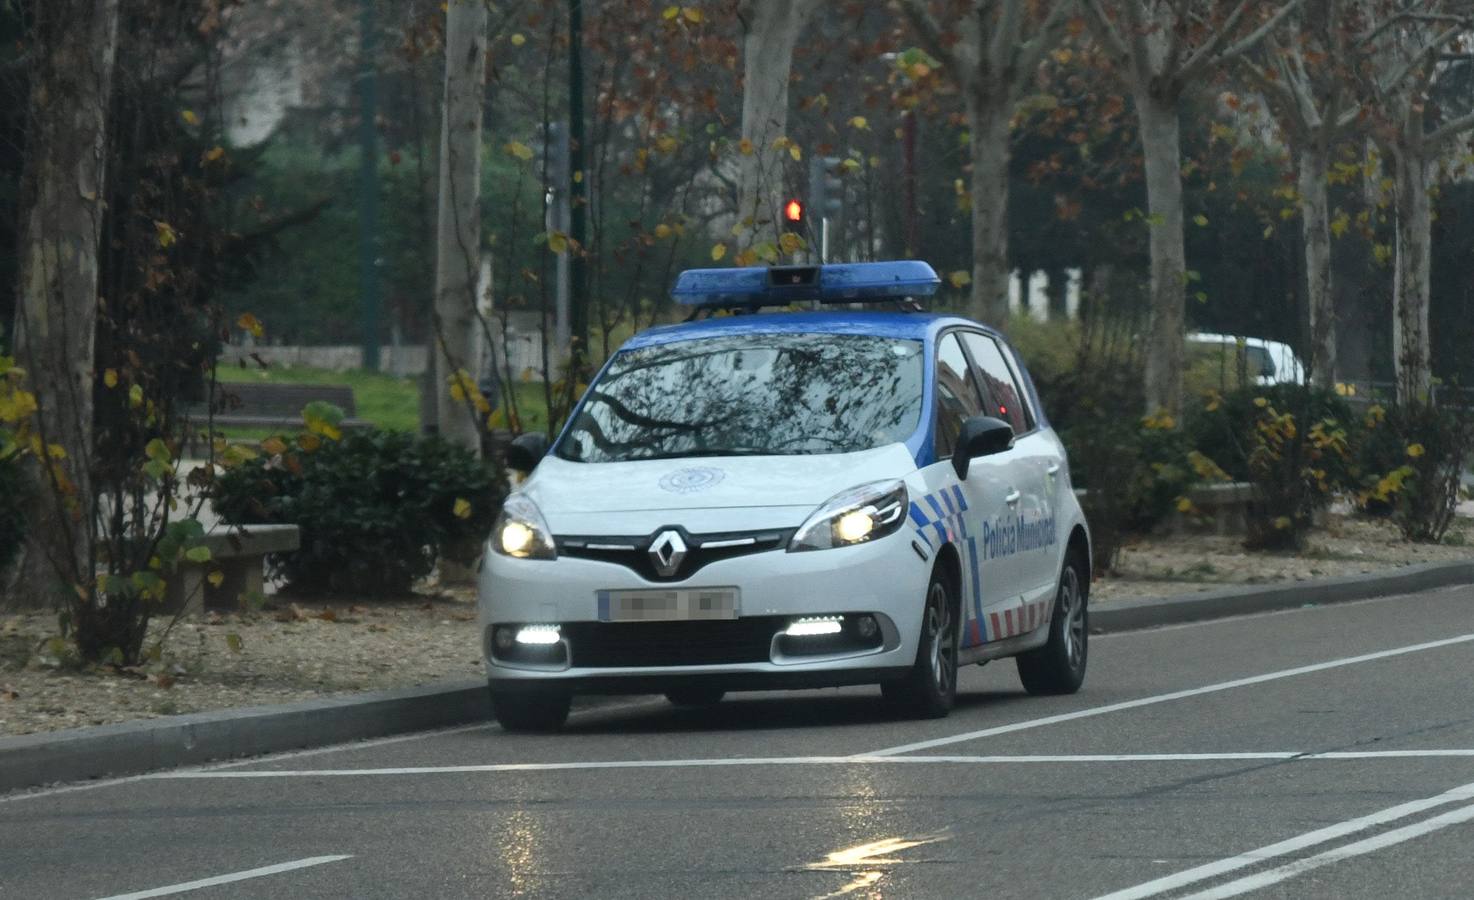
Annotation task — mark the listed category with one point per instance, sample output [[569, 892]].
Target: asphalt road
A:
[[1323, 752]]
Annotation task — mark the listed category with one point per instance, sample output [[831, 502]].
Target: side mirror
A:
[[526, 451], [980, 436]]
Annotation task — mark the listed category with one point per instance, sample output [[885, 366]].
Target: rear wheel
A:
[[695, 696], [1058, 667], [930, 689], [533, 711]]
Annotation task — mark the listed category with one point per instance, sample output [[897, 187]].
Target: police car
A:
[[760, 500]]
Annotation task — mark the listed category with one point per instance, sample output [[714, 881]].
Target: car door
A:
[[1034, 471], [991, 584]]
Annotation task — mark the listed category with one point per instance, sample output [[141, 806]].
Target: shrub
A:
[[376, 508], [1411, 462], [1290, 443]]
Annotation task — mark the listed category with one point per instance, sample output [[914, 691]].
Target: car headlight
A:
[[521, 532], [860, 514]]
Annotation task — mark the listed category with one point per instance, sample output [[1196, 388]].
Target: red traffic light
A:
[[793, 211]]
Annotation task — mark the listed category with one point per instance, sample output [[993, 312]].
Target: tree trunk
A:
[[988, 121], [1316, 228], [60, 218], [1164, 350], [772, 28], [1410, 340], [458, 246]]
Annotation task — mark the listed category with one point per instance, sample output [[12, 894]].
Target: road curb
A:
[[131, 748], [1132, 615]]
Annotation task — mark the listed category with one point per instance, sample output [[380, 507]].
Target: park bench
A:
[[277, 406], [240, 555]]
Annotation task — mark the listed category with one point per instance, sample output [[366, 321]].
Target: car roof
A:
[[900, 325]]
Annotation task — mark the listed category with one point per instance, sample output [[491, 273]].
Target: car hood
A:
[[561, 488]]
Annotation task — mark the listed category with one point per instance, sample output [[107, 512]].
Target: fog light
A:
[[504, 637], [813, 626], [867, 627], [538, 634]]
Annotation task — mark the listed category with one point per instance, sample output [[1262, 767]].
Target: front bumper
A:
[[886, 579]]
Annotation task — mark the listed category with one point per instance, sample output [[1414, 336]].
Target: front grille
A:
[[610, 644], [633, 552]]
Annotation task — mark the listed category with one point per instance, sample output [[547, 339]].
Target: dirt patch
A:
[[1348, 545], [295, 651]]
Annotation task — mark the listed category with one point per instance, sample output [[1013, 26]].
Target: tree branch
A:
[[931, 38], [1030, 55], [1105, 30], [1449, 130], [1206, 58]]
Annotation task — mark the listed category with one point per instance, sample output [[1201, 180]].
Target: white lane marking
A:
[[1293, 845], [227, 879], [1358, 848], [1164, 698], [291, 754], [723, 762]]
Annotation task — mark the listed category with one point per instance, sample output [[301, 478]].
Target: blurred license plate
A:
[[665, 606]]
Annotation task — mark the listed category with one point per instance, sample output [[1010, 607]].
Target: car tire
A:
[[1058, 667], [930, 689], [531, 711], [695, 696]]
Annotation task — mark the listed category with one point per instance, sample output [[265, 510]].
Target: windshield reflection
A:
[[750, 394]]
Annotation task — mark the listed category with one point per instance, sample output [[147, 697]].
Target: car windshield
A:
[[750, 395]]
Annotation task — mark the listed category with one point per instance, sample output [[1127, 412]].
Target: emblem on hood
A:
[[667, 552], [689, 481]]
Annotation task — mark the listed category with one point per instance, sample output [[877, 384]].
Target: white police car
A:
[[787, 500]]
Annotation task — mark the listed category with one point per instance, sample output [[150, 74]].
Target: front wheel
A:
[[930, 689], [531, 711], [1058, 667]]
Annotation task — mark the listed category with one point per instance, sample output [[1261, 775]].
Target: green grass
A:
[[389, 401]]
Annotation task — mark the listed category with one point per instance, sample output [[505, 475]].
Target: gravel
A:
[[296, 649]]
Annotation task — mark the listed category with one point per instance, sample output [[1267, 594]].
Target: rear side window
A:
[[957, 394], [1005, 397]]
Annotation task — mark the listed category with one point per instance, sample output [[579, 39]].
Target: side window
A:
[[957, 394], [1005, 396]]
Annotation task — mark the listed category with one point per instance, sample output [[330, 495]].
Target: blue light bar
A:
[[781, 285]]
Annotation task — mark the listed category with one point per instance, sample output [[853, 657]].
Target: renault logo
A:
[[667, 552]]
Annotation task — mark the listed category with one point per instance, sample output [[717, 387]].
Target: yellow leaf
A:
[[1282, 523], [578, 177], [189, 117], [1260, 402], [248, 322], [1184, 505], [518, 149], [670, 12], [216, 578], [214, 154], [859, 122], [309, 442], [273, 446], [557, 242], [745, 147], [1415, 450], [110, 378], [135, 396], [692, 14], [959, 279], [518, 40], [666, 144], [795, 152], [719, 251], [746, 258], [462, 508], [790, 243], [166, 234], [1200, 220]]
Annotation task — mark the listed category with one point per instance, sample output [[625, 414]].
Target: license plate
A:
[[664, 606]]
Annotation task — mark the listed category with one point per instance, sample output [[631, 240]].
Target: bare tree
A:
[[1410, 44], [1304, 71], [993, 57], [770, 30], [60, 216], [458, 243], [1161, 49]]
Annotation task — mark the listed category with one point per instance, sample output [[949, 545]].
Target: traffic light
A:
[[826, 186], [793, 212]]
